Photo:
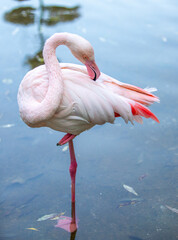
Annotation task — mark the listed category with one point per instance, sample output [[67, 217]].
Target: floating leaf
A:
[[7, 125], [57, 216], [65, 148], [15, 31], [7, 81], [33, 229], [172, 209], [130, 189], [102, 39], [45, 217]]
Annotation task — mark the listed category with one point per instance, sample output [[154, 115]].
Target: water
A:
[[135, 42]]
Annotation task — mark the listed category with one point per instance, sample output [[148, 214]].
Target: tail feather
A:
[[150, 89], [140, 110], [136, 97], [143, 96], [137, 89], [138, 119]]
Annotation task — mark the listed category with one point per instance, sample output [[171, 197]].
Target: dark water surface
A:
[[135, 42]]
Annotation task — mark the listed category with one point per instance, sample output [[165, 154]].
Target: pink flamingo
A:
[[64, 98]]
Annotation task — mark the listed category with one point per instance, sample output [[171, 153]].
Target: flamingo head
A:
[[84, 52], [93, 70]]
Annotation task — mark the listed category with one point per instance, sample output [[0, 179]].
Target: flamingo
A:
[[72, 98]]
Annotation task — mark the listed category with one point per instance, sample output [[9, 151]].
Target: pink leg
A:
[[72, 169], [66, 139]]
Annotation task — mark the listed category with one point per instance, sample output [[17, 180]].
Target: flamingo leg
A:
[[72, 169], [66, 139]]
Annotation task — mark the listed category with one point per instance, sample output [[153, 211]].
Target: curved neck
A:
[[55, 87], [46, 109], [54, 93]]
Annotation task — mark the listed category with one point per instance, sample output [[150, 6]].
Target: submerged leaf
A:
[[57, 216], [127, 202], [143, 176]]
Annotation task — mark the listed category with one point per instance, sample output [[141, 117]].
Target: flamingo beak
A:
[[93, 70]]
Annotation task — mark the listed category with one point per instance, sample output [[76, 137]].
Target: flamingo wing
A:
[[83, 105], [86, 103]]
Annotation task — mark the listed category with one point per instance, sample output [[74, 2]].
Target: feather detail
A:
[[138, 119], [150, 89], [137, 89], [116, 114], [140, 110], [143, 96]]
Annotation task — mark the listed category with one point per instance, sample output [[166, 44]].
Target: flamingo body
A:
[[84, 103]]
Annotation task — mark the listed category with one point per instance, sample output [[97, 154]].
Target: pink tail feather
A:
[[140, 95], [140, 110], [137, 89], [138, 99]]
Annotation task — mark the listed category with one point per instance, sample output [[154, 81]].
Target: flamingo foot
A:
[[66, 139]]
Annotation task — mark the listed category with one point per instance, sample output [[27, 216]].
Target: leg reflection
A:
[[72, 235], [74, 223], [69, 224]]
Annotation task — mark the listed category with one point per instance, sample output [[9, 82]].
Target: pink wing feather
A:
[[114, 99]]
